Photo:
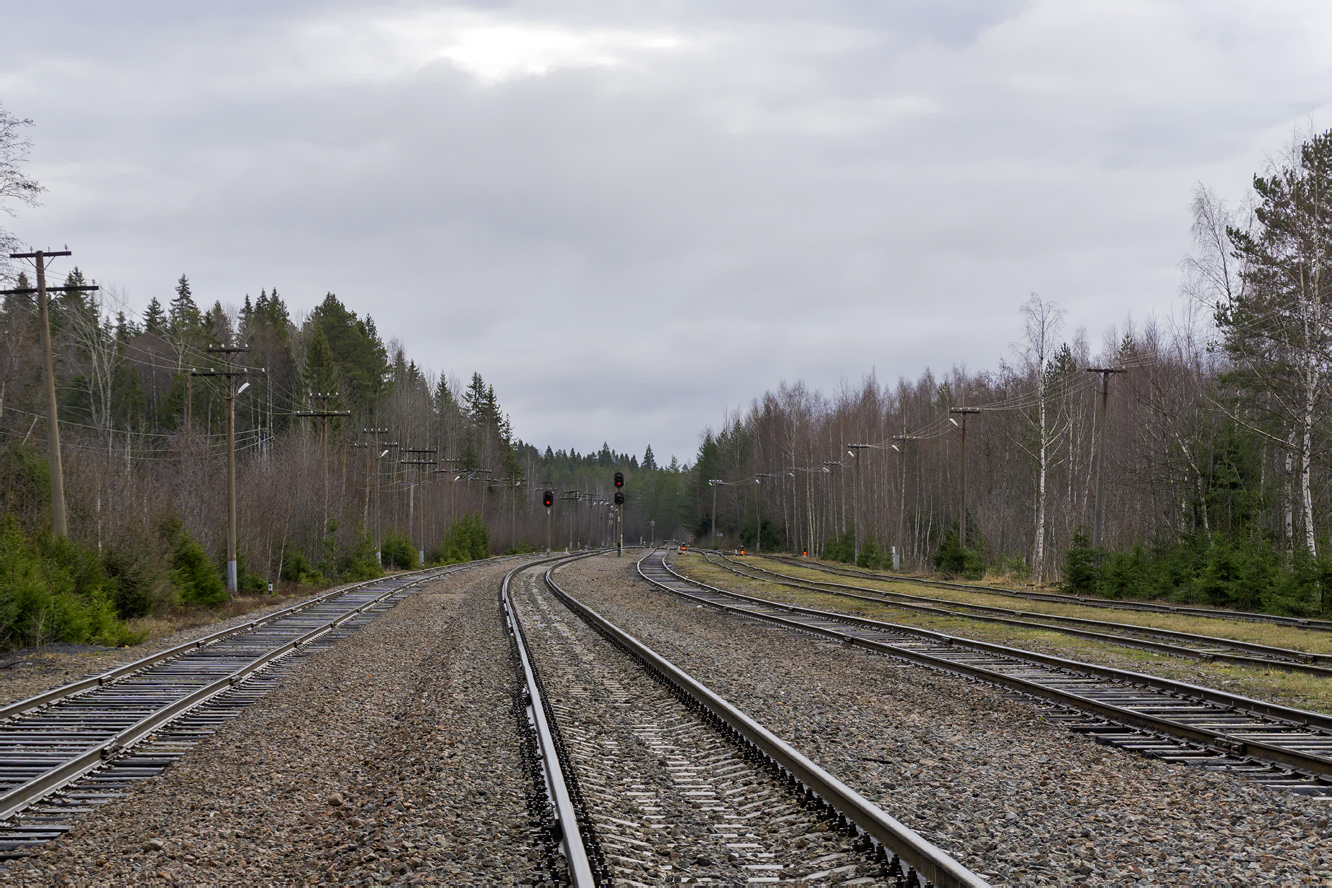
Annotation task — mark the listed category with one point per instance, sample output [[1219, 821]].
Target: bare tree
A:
[[1041, 321], [14, 185]]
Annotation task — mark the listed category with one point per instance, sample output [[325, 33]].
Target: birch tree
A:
[[1041, 321]]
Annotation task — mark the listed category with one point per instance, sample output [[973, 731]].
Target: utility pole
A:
[[410, 499], [1099, 504], [59, 525], [713, 484], [901, 503], [227, 351], [853, 450], [571, 497], [963, 412], [323, 414], [758, 510]]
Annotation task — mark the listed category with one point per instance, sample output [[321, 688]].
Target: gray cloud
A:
[[631, 218]]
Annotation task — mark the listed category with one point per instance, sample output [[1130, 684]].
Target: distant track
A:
[[1081, 600], [1274, 745], [70, 749], [1180, 644]]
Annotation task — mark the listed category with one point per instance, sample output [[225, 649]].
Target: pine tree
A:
[[649, 461]]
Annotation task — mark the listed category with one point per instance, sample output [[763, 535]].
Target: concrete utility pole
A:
[[59, 525], [963, 412], [855, 499], [1099, 504], [227, 351]]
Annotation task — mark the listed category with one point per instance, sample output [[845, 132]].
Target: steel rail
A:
[[1320, 766], [72, 769], [557, 788], [95, 681], [1217, 613], [928, 860], [1275, 657]]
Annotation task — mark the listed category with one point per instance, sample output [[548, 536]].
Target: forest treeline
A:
[[1216, 438], [352, 456]]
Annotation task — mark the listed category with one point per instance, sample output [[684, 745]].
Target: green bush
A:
[[196, 578], [356, 561], [138, 571], [1082, 566], [840, 548], [953, 560], [398, 551], [1015, 565], [54, 590], [467, 540], [522, 547], [773, 540], [296, 568], [872, 557], [248, 583]]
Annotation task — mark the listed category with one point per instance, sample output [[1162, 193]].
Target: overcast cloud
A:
[[632, 217]]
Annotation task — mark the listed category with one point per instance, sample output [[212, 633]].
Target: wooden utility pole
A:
[[758, 511], [898, 558], [229, 373], [323, 414], [856, 451], [963, 412], [1099, 504], [377, 442], [411, 500], [59, 525], [571, 497]]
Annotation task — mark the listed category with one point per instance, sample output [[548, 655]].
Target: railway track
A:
[[1060, 598], [1274, 745], [654, 779], [1166, 641], [70, 749]]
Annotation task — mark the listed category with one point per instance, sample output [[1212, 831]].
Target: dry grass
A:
[[1291, 689], [177, 619], [1272, 634]]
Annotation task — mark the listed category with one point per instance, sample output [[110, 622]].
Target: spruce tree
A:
[[154, 319], [649, 461]]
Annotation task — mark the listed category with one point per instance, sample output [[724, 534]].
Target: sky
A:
[[631, 218]]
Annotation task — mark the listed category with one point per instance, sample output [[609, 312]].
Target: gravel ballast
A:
[[392, 757], [972, 768]]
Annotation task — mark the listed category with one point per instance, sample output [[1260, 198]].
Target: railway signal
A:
[[548, 500], [619, 514]]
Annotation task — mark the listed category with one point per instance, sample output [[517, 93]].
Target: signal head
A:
[[619, 497], [619, 479], [548, 499]]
